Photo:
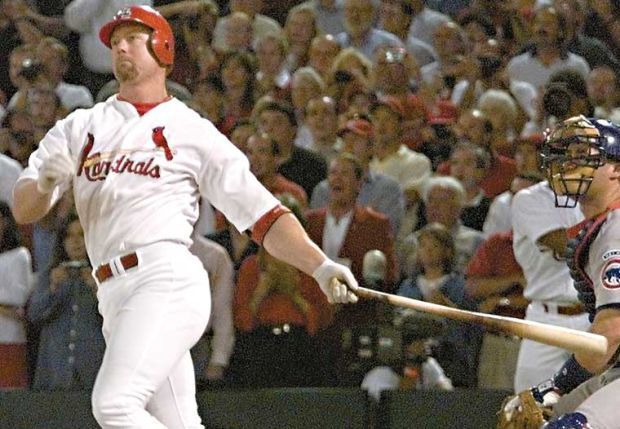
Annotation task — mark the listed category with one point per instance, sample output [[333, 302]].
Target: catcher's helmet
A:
[[610, 134], [573, 150], [162, 38]]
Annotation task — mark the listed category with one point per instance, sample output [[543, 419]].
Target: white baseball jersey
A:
[[533, 215], [139, 178]]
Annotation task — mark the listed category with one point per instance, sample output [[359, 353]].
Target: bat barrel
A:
[[570, 339]]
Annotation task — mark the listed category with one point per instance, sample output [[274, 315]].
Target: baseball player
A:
[[582, 160], [539, 239], [138, 164]]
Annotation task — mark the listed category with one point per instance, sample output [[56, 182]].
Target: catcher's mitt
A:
[[522, 411]]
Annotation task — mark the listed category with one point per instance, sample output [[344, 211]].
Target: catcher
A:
[[582, 161]]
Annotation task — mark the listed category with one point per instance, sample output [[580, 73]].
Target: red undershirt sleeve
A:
[[262, 226]]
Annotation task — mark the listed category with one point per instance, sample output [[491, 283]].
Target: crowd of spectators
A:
[[398, 126]]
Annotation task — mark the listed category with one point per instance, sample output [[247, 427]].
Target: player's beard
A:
[[125, 71]]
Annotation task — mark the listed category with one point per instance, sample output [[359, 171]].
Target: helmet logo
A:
[[162, 37], [124, 13]]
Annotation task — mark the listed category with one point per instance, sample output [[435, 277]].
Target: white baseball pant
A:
[[153, 314], [538, 362]]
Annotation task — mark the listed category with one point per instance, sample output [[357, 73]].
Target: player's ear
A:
[[616, 170]]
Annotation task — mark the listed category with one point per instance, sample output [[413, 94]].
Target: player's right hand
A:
[[336, 281], [546, 393], [57, 168]]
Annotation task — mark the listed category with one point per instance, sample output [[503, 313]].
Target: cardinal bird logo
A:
[[160, 141]]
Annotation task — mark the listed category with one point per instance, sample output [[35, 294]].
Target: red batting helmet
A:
[[162, 39]]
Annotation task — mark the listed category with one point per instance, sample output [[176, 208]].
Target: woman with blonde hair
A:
[[306, 85], [350, 74], [273, 76], [299, 29], [503, 112], [277, 312]]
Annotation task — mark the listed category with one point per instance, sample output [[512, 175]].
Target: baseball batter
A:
[[138, 164], [582, 159]]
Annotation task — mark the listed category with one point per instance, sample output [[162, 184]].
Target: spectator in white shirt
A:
[[549, 53], [54, 56], [261, 24], [221, 276], [425, 21], [410, 169], [329, 15], [9, 172], [359, 21], [395, 17]]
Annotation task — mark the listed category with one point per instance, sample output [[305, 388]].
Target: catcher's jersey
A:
[[603, 266], [139, 178], [533, 215]]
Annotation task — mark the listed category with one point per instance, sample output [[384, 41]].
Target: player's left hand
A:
[[336, 281]]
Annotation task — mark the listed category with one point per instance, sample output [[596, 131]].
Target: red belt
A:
[[105, 271], [566, 310]]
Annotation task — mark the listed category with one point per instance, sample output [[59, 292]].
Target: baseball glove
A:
[[522, 411]]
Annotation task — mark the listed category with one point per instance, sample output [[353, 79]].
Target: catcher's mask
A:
[[570, 155]]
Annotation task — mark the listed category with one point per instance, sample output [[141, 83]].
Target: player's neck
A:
[[142, 93], [592, 207]]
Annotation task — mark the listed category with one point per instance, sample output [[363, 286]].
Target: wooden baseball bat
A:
[[569, 339]]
